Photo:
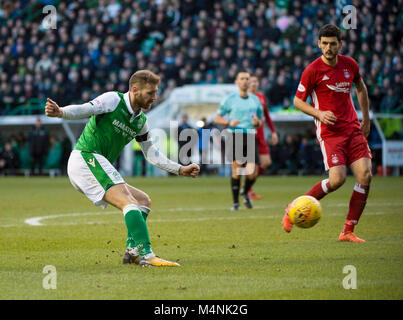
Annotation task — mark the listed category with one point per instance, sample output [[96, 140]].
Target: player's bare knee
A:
[[145, 201], [265, 165], [127, 197], [336, 182], [366, 177]]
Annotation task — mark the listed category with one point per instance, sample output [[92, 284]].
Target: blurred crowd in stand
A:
[[97, 45]]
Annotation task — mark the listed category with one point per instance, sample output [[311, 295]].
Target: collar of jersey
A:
[[129, 106]]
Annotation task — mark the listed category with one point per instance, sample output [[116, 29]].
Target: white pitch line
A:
[[37, 221]]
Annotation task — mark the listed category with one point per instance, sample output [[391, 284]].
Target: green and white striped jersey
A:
[[112, 126]]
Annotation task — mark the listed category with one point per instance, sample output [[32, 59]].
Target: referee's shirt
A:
[[242, 109]]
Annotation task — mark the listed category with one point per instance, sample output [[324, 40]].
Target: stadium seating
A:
[[184, 41], [98, 44]]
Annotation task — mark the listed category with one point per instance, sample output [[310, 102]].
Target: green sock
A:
[[130, 241], [137, 228]]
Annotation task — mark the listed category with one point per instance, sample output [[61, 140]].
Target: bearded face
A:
[[144, 97], [330, 47]]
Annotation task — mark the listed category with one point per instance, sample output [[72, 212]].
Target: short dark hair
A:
[[241, 71], [330, 30]]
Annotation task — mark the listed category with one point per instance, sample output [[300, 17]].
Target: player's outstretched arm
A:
[[191, 170], [326, 117], [104, 103], [70, 112], [159, 160]]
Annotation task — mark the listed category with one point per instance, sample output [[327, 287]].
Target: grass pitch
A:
[[224, 254]]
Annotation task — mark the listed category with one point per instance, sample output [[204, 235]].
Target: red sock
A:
[[320, 189], [260, 170], [357, 204]]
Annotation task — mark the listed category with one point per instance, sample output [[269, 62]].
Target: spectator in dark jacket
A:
[[9, 160], [184, 159], [38, 146]]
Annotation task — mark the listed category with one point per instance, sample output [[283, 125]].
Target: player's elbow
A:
[[297, 102]]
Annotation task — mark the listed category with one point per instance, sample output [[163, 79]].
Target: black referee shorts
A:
[[241, 147]]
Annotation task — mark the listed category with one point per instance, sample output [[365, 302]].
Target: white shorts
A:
[[92, 174]]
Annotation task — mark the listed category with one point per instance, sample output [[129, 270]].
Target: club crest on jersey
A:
[[335, 159], [92, 162], [346, 73]]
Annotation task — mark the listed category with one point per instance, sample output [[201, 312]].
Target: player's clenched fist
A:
[[52, 109], [192, 170]]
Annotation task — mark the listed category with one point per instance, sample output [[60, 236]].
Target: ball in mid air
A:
[[305, 211]]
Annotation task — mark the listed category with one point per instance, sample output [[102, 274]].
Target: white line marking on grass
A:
[[37, 221]]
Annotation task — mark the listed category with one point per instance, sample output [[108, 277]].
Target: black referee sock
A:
[[235, 184], [248, 184]]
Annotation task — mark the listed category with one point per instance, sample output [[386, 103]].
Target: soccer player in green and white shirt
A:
[[116, 119]]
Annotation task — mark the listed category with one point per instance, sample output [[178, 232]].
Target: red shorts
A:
[[263, 148], [344, 149]]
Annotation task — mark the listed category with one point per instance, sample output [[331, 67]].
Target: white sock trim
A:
[[145, 209], [324, 188], [130, 207], [358, 188]]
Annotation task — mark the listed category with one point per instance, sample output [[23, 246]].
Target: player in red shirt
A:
[[342, 137], [264, 152]]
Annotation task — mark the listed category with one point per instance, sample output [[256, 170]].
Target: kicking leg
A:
[[120, 197], [131, 254]]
